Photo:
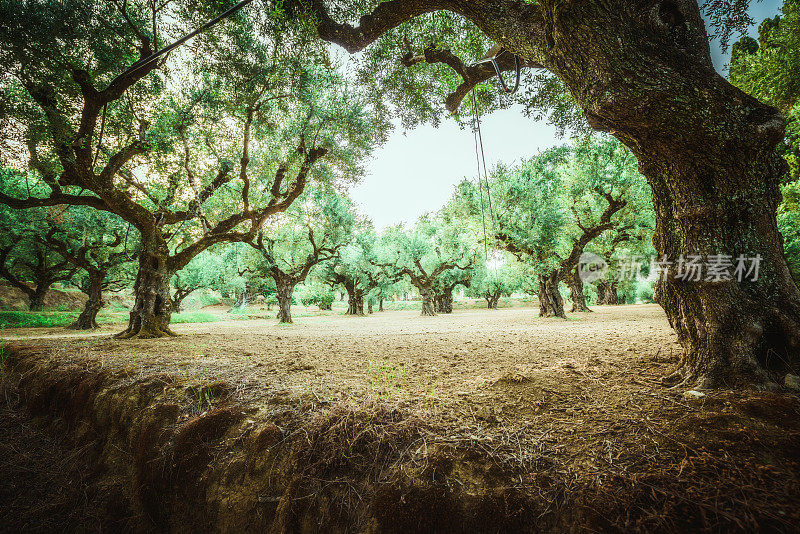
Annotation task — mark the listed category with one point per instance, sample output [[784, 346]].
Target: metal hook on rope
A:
[[493, 60]]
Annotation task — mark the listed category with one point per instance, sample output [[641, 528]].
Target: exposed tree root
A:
[[146, 332]]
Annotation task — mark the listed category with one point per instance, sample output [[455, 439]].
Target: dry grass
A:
[[360, 432]]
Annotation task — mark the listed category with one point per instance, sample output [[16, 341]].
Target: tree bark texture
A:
[[152, 306], [87, 320], [36, 297], [427, 296], [443, 301], [355, 298], [284, 289], [550, 302], [576, 294], [607, 292]]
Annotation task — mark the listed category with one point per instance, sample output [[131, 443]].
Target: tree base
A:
[[684, 377], [146, 328], [145, 333]]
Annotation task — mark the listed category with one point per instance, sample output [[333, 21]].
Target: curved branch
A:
[[55, 199], [386, 16], [471, 75]]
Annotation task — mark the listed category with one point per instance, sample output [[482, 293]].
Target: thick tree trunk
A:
[[607, 292], [443, 301], [601, 293], [355, 299], [427, 301], [284, 289], [708, 153], [576, 294], [152, 306], [447, 302], [492, 300], [87, 320], [380, 305], [36, 297], [550, 302]]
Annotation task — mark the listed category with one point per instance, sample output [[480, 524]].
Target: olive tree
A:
[[193, 149], [310, 232], [641, 71]]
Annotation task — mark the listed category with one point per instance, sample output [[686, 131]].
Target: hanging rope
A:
[[480, 158], [480, 183], [493, 61], [483, 158], [479, 137]]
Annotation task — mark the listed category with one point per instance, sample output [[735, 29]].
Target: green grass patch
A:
[[385, 378], [24, 319], [47, 319], [195, 317]]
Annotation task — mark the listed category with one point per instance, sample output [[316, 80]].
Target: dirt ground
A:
[[474, 362], [559, 404]]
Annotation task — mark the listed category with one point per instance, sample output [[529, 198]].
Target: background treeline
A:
[[225, 166]]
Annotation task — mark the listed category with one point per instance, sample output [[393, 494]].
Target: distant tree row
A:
[[525, 231]]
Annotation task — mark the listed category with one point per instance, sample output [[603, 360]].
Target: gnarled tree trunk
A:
[[642, 71], [380, 304], [36, 297], [87, 320], [576, 294], [550, 302], [152, 306], [443, 301], [607, 292], [426, 294], [355, 298], [645, 75], [284, 288], [492, 299]]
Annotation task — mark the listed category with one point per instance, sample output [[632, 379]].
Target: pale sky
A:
[[415, 171]]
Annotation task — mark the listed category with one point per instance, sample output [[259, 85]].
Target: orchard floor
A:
[[572, 411]]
